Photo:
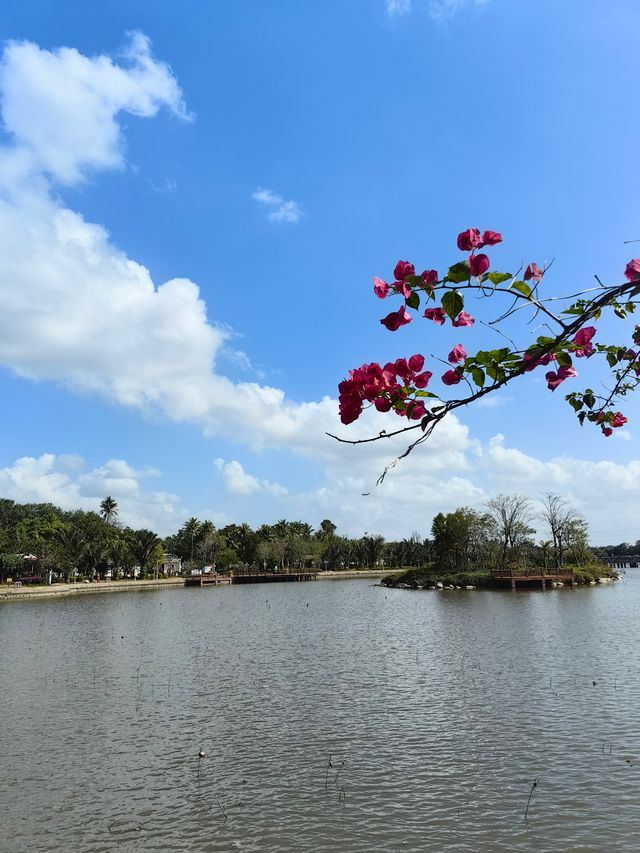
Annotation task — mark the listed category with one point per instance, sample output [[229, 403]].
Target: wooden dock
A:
[[272, 577], [533, 577], [207, 580]]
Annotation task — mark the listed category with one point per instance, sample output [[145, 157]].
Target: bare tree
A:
[[559, 518], [512, 516]]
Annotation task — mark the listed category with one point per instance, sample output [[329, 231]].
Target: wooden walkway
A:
[[207, 580], [534, 576], [272, 577]]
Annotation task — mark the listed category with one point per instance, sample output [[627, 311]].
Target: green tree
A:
[[460, 539], [146, 549], [109, 510], [191, 528]]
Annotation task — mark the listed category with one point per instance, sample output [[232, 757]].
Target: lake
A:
[[437, 712]]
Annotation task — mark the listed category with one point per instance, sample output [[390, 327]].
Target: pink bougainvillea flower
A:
[[382, 404], [403, 269], [380, 287], [490, 238], [430, 277], [402, 369], [555, 379], [478, 264], [416, 363], [438, 315], [403, 288], [469, 240], [618, 420], [632, 271], [607, 431], [395, 319], [534, 272], [422, 379], [350, 401], [451, 377], [463, 319], [532, 362], [417, 412], [457, 354], [583, 339]]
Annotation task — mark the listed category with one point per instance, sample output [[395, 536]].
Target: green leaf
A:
[[620, 312], [581, 417], [453, 303], [424, 394], [496, 277], [459, 272], [597, 314], [477, 374], [414, 280], [499, 354], [522, 287], [494, 372], [564, 359], [576, 404], [589, 399], [612, 359], [413, 301], [630, 307]]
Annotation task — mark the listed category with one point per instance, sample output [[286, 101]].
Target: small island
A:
[[495, 549]]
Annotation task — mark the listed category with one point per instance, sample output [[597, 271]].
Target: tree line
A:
[[37, 540]]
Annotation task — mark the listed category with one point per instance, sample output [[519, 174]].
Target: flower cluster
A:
[[396, 386], [400, 385], [608, 421]]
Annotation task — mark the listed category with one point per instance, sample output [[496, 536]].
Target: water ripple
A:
[[437, 713]]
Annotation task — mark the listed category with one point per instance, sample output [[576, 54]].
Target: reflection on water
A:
[[435, 710]]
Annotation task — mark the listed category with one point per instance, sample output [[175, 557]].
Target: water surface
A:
[[437, 710]]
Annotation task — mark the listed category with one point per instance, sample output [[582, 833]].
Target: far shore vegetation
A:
[[41, 543]]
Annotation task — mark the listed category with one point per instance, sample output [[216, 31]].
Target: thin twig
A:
[[533, 787], [326, 778]]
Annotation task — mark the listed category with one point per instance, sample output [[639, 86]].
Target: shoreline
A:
[[60, 590]]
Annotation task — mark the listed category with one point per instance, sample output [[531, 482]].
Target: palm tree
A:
[[371, 549], [144, 548], [109, 509], [119, 556], [94, 556], [73, 543], [191, 529], [545, 546]]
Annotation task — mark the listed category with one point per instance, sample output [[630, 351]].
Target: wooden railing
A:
[[533, 572]]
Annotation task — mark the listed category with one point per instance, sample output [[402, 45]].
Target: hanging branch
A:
[[400, 386]]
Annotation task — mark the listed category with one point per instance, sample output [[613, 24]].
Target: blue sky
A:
[[266, 160]]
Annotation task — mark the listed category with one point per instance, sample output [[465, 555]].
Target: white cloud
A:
[[493, 401], [51, 479], [279, 209], [439, 10], [61, 107], [442, 10], [455, 470], [165, 187], [395, 8], [238, 482]]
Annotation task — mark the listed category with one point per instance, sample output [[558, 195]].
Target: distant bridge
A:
[[623, 561]]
